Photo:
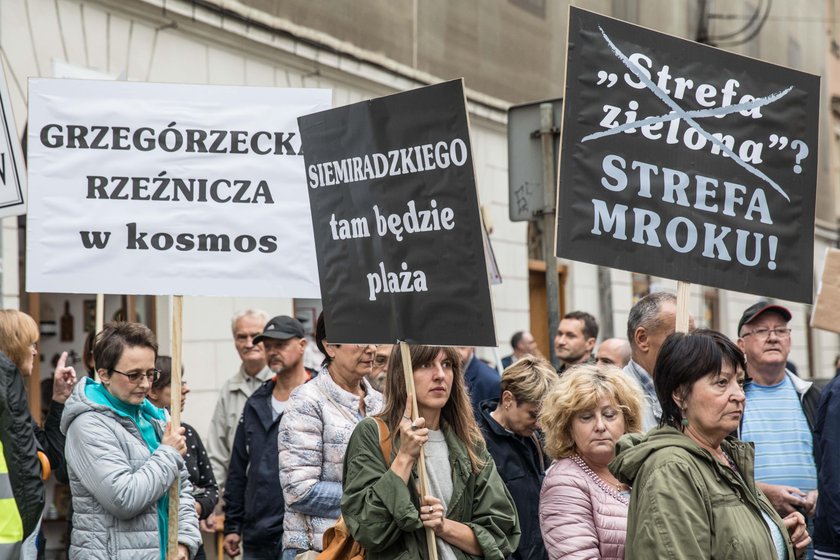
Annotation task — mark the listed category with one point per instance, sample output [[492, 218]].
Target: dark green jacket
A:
[[381, 511], [687, 505]]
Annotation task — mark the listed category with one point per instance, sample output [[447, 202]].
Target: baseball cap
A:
[[760, 307], [281, 327]]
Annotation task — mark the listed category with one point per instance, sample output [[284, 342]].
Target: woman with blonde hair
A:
[[583, 507], [22, 441], [510, 425], [468, 507]]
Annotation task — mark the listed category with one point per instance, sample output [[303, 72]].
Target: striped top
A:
[[784, 448]]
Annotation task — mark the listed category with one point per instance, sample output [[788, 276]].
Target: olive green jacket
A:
[[685, 504], [381, 511]]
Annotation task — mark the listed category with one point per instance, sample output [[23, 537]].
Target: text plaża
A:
[[644, 226], [404, 161]]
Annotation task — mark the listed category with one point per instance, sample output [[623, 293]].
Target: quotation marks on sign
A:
[[611, 78], [695, 137], [802, 151]]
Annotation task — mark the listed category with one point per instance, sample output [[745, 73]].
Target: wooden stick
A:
[[175, 410], [99, 324], [683, 289], [405, 353], [100, 312]]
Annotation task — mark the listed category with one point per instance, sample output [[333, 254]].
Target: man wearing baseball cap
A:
[[779, 413], [254, 506]]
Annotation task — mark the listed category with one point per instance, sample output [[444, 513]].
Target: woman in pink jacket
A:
[[583, 507]]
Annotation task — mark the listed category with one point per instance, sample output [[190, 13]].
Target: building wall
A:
[[507, 53], [142, 43]]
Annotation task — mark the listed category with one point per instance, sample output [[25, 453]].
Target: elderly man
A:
[[614, 352], [779, 416], [379, 369], [649, 323], [253, 372], [575, 339]]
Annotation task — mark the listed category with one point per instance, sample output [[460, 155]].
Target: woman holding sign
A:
[[469, 508], [122, 457]]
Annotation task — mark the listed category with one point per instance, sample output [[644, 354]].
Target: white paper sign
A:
[[12, 167], [142, 188]]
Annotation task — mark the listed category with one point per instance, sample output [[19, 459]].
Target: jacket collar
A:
[[260, 402], [373, 398], [799, 384], [240, 381]]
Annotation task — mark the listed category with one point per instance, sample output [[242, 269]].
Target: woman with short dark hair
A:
[[694, 492], [122, 458]]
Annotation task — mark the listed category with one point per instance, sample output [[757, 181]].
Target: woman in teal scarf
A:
[[122, 458]]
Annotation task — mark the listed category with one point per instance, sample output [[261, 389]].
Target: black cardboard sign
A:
[[687, 162], [397, 226]]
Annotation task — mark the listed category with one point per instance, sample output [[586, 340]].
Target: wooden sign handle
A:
[[405, 353], [683, 293], [175, 411]]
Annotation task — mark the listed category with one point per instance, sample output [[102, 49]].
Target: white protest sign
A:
[[12, 167], [142, 188]]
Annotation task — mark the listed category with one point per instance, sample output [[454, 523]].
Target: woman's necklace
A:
[[612, 490]]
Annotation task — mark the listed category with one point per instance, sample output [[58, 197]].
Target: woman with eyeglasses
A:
[[205, 490], [122, 456], [312, 438]]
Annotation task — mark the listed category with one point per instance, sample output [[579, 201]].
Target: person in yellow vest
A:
[[30, 453], [21, 487]]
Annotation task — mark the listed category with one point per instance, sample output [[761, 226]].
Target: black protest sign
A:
[[687, 162], [396, 220]]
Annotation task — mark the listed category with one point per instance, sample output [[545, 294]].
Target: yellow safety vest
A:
[[11, 526]]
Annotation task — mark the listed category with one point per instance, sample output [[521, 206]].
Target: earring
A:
[[684, 419]]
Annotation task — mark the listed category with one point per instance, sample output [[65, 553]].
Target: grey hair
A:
[[646, 314], [258, 313]]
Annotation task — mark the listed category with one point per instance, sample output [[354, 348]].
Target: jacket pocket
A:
[[726, 500]]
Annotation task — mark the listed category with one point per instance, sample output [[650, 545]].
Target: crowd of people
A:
[[657, 445]]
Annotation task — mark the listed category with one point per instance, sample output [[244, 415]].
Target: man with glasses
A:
[[779, 413], [379, 369], [253, 372]]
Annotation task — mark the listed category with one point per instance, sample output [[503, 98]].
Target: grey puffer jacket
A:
[[116, 483]]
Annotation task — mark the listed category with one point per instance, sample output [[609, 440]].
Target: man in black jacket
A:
[[253, 502]]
